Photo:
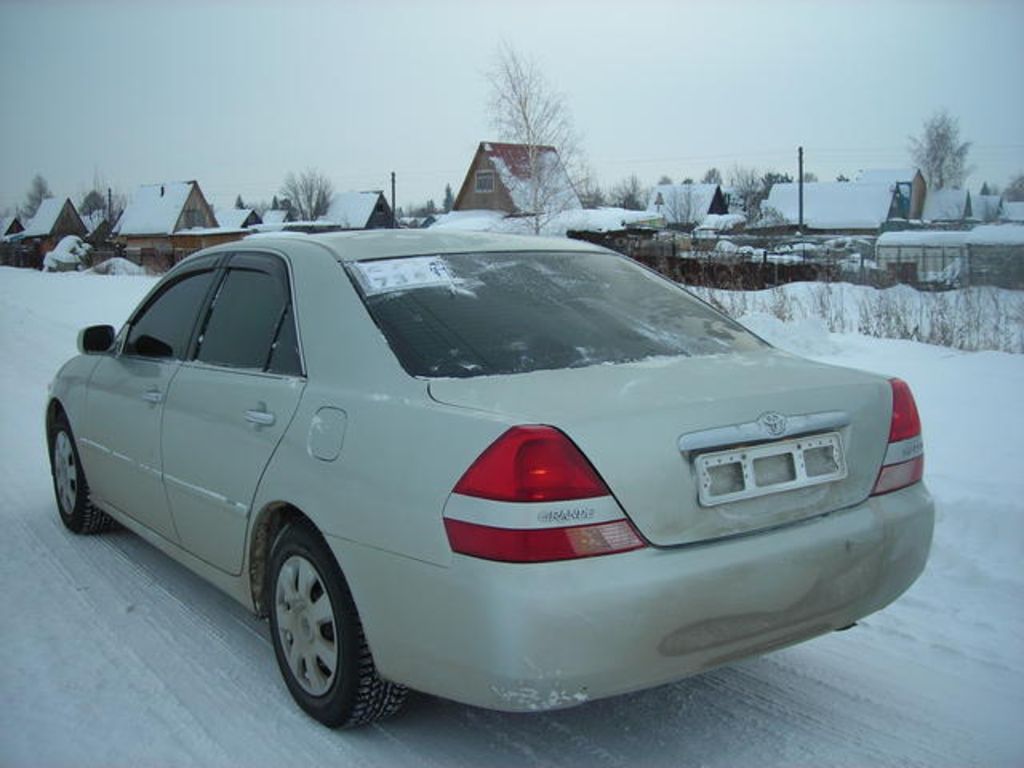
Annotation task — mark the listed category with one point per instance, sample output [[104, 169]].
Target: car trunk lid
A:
[[696, 449]]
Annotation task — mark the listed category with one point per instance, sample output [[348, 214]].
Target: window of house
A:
[[484, 181]]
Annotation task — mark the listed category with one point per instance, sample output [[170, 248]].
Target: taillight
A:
[[904, 458], [532, 464], [510, 504]]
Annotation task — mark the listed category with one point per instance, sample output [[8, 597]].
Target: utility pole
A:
[[800, 181], [110, 205], [394, 215]]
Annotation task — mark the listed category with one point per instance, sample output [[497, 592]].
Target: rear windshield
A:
[[480, 314]]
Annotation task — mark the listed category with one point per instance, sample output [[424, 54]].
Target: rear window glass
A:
[[462, 315]]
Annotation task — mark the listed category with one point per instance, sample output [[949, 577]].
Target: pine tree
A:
[[238, 203], [449, 198]]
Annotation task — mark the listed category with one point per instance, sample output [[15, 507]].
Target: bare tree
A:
[[1014, 191], [38, 191], [525, 110], [748, 190], [939, 153], [664, 180], [629, 193], [711, 176], [309, 193], [679, 204]]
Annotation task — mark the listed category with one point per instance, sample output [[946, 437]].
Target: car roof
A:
[[389, 243]]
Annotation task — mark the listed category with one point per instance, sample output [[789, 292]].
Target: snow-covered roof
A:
[[275, 216], [154, 209], [45, 219], [722, 222], [946, 204], [985, 207], [571, 220], [988, 234], [552, 188], [682, 203], [6, 222], [886, 176], [833, 204], [232, 218], [352, 210], [1013, 211], [93, 220]]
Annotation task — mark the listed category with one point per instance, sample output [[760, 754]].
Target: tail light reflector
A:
[[904, 458], [535, 465]]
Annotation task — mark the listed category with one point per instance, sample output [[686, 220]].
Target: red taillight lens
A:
[[904, 458], [536, 545], [905, 421], [535, 463]]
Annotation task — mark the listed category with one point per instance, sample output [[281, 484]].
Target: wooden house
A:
[[53, 220], [163, 223], [10, 225], [908, 186], [685, 206], [516, 179]]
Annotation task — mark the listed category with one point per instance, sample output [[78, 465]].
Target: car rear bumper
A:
[[542, 636]]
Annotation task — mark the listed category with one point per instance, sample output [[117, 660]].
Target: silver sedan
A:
[[514, 472]]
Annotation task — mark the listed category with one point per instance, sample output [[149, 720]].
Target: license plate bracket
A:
[[746, 473]]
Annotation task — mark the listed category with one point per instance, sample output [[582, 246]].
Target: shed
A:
[[835, 206], [687, 205], [359, 210]]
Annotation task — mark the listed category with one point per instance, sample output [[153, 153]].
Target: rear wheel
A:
[[318, 637], [69, 484]]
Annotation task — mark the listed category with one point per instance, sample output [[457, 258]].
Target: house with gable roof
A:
[[359, 210], [516, 179], [835, 206], [164, 223], [54, 219], [237, 218], [908, 185], [687, 205], [948, 205]]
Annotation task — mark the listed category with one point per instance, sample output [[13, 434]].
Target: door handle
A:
[[153, 396], [260, 418]]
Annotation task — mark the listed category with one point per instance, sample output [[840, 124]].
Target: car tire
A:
[[318, 636], [70, 487]]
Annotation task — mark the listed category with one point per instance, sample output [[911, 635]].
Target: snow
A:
[[833, 204], [232, 218], [352, 210], [556, 225], [118, 266], [275, 216], [154, 209], [70, 250], [721, 222], [946, 204], [111, 654], [987, 234], [1013, 211], [45, 219]]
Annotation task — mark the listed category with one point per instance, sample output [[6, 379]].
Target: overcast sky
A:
[[236, 94]]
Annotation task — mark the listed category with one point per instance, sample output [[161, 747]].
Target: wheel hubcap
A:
[[65, 473], [306, 625]]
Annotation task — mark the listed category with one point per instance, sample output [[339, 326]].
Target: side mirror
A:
[[95, 339]]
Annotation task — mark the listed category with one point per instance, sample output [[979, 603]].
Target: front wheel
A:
[[318, 637], [69, 484]]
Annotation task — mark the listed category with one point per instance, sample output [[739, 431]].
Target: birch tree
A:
[[309, 192], [526, 110], [939, 152]]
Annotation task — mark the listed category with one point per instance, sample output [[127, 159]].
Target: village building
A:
[[833, 206], [991, 254], [10, 225], [277, 216], [54, 219], [908, 185], [237, 218], [359, 210], [948, 206], [517, 179], [685, 206], [166, 222]]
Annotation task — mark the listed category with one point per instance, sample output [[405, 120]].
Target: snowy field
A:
[[111, 654]]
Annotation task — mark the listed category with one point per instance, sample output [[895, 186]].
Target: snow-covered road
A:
[[111, 654]]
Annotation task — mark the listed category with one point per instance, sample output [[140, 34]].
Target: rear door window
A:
[[499, 313]]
